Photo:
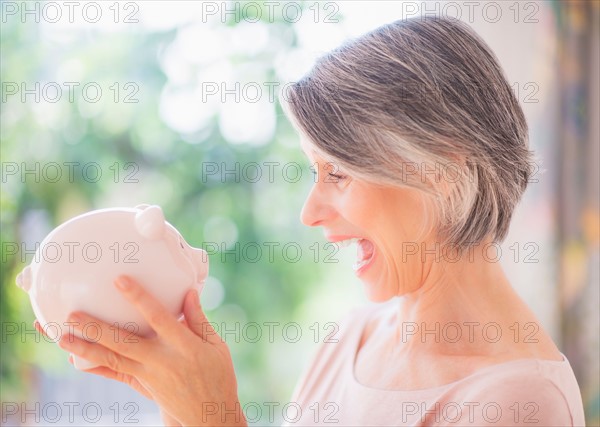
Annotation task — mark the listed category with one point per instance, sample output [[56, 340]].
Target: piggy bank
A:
[[75, 267]]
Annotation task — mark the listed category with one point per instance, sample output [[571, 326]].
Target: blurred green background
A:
[[163, 122]]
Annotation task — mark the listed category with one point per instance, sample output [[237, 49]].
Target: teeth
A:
[[358, 265], [347, 242]]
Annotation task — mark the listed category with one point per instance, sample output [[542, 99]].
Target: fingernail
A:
[[123, 283], [74, 318]]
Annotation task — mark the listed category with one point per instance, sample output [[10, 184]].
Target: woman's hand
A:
[[188, 371], [167, 419], [104, 371]]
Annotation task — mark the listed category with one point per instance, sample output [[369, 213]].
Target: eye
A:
[[336, 176], [330, 172], [333, 172]]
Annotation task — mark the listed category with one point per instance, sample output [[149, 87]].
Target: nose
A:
[[316, 209], [200, 258]]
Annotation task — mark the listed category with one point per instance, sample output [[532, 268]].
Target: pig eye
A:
[[181, 244]]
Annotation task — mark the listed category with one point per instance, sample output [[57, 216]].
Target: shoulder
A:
[[523, 392]]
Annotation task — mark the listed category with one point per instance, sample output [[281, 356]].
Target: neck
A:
[[460, 307]]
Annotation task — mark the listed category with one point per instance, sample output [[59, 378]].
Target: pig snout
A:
[[200, 258]]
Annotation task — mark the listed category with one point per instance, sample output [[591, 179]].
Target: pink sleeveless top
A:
[[529, 392]]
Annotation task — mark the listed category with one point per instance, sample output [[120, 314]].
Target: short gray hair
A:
[[415, 96]]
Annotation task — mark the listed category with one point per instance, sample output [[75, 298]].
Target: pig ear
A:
[[150, 222], [24, 279]]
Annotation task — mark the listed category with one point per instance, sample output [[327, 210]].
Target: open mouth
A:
[[365, 251]]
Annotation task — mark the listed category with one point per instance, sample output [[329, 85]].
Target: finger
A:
[[38, 327], [159, 318], [99, 354], [119, 340], [105, 372], [196, 319], [168, 420]]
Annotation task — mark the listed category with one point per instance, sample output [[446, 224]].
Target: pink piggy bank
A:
[[76, 265]]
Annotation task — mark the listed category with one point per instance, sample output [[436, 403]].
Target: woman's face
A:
[[387, 220]]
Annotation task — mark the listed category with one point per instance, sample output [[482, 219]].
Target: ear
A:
[[150, 222], [24, 279]]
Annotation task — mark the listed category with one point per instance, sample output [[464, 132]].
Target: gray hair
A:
[[422, 103]]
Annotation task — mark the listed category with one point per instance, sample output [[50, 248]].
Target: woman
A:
[[421, 152]]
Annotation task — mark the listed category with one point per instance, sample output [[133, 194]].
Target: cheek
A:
[[407, 215], [390, 215], [361, 207], [394, 212]]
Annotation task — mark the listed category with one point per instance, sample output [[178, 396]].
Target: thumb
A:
[[196, 319]]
